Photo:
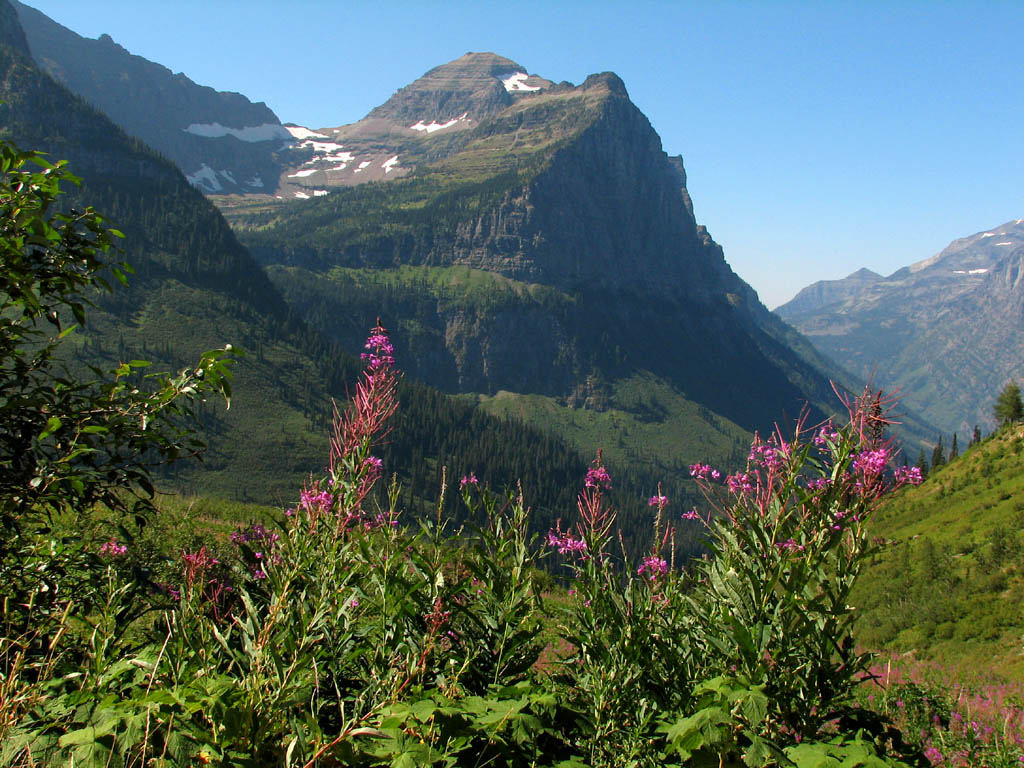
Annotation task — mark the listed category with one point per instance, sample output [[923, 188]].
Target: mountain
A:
[[542, 256], [428, 119], [948, 330], [949, 584], [221, 141], [195, 288]]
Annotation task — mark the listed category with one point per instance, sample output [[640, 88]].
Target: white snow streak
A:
[[989, 234], [302, 196], [436, 126], [320, 192], [303, 133], [361, 166], [516, 82], [1006, 243], [321, 146], [252, 133], [303, 173], [388, 165], [206, 178]]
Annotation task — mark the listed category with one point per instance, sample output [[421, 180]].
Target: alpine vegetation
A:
[[341, 633]]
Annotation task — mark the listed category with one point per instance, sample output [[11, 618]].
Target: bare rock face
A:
[[221, 141], [948, 330], [571, 242], [471, 87]]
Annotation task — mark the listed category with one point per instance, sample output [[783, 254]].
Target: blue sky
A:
[[819, 137]]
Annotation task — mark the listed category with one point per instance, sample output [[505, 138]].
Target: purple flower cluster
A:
[[113, 549], [565, 543], [312, 500], [653, 566], [598, 477], [908, 476], [740, 483], [658, 501], [771, 457], [704, 472], [818, 483], [871, 463], [789, 545], [255, 533], [469, 479], [381, 353], [826, 436]]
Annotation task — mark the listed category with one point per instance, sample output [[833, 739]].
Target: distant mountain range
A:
[[949, 330], [531, 246]]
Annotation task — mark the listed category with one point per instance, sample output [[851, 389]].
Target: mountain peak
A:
[[606, 80], [475, 85]]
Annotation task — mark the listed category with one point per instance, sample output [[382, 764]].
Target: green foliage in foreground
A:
[[950, 586], [340, 636], [67, 442], [334, 634]]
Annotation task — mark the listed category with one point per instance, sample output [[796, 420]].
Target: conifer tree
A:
[[954, 451], [922, 463], [938, 455], [976, 437], [1008, 407]]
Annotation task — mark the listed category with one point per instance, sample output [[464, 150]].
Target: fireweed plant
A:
[[342, 635]]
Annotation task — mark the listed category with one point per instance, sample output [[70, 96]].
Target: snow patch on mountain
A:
[[321, 146], [517, 82], [206, 179], [1006, 243], [389, 164], [988, 234], [970, 271], [320, 192], [302, 174], [436, 126], [251, 134], [209, 180], [361, 166], [302, 196], [255, 181], [298, 132]]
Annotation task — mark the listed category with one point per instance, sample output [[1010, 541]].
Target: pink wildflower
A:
[[871, 462], [652, 565], [469, 479], [658, 501], [598, 477], [704, 472], [113, 549], [907, 476], [739, 483]]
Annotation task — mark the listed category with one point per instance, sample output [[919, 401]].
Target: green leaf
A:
[[52, 425]]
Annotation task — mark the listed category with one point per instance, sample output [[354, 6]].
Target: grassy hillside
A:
[[950, 586]]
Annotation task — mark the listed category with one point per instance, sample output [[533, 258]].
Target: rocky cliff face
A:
[[221, 141], [581, 259], [949, 330]]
